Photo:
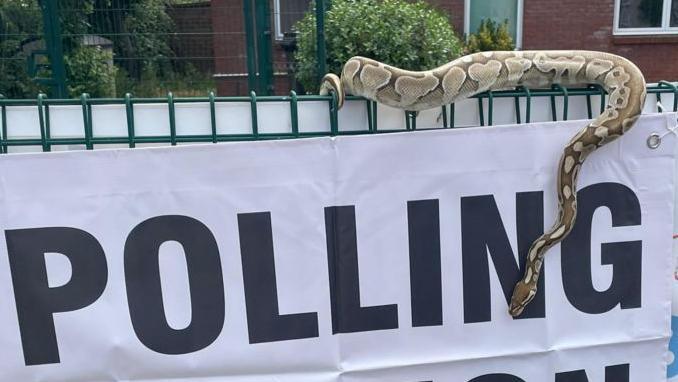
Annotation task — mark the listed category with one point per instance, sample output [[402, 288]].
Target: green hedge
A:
[[409, 35]]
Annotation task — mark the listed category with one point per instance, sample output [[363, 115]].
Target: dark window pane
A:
[[291, 11], [640, 13], [674, 14], [496, 10]]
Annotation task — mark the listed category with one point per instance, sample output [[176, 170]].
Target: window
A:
[[496, 10], [286, 13], [645, 16]]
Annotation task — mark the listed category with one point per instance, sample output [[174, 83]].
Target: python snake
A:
[[485, 71]]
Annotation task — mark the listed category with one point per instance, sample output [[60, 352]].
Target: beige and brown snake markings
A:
[[479, 72]]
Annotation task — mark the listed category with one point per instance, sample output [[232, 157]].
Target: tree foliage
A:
[[140, 31], [490, 36], [409, 35], [90, 70], [20, 20]]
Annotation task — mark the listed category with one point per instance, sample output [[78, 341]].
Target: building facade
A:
[[644, 31]]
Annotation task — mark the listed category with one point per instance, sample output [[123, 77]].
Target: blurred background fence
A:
[[108, 48], [146, 47]]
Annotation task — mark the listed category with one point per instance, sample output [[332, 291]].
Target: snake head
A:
[[522, 295]]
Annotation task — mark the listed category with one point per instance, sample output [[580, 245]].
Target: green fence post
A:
[[87, 121], [253, 114], [129, 113], [3, 135], [294, 113], [52, 30], [321, 51], [565, 99], [213, 117], [528, 104], [41, 120], [481, 112], [490, 107], [172, 119]]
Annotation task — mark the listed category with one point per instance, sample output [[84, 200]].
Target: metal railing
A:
[[485, 104]]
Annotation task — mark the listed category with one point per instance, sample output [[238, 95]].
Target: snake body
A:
[[480, 72]]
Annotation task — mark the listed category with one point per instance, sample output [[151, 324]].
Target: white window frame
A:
[[519, 21], [276, 18], [664, 29]]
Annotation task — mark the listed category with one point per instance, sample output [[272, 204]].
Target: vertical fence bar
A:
[[516, 104], [3, 137], [320, 38], [90, 119], [172, 119], [41, 120], [481, 112], [374, 115], [490, 107], [528, 104], [566, 103], [253, 111], [565, 94], [334, 117], [129, 113], [452, 109], [444, 116], [87, 124], [554, 114], [48, 125], [294, 113], [370, 126], [213, 117]]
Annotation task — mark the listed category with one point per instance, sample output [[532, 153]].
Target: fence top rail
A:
[[41, 124], [556, 90]]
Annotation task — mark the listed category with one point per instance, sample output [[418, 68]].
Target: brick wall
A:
[[231, 54], [195, 45], [587, 24], [229, 47], [455, 9]]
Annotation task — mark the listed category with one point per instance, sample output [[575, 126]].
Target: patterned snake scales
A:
[[479, 72]]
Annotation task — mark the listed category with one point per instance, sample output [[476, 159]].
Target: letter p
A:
[[35, 300]]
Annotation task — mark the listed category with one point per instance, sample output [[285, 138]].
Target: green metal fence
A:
[[486, 105], [110, 47], [148, 47]]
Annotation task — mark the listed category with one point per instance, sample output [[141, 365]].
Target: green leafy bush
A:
[[490, 36], [90, 70], [20, 21], [409, 35]]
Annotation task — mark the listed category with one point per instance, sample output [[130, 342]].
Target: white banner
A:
[[365, 258]]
